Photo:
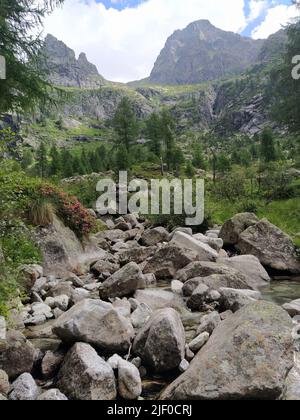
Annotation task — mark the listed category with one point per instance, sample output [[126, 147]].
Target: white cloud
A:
[[276, 18], [124, 44], [257, 7]]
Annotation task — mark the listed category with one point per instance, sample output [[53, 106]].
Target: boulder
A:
[[141, 315], [232, 229], [198, 299], [161, 343], [233, 300], [17, 355], [4, 383], [215, 282], [292, 308], [168, 260], [24, 389], [248, 357], [154, 236], [291, 390], [177, 286], [30, 274], [271, 246], [251, 267], [137, 255], [159, 299], [186, 230], [86, 376], [80, 294], [103, 266], [97, 323], [51, 363], [209, 323], [206, 269], [203, 250], [129, 381], [184, 365], [123, 283], [123, 307], [198, 342], [2, 328], [215, 243], [52, 395]]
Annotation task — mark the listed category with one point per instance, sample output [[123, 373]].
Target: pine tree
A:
[[41, 160], [268, 150], [168, 125], [122, 162], [153, 130], [27, 159], [55, 166], [20, 45], [67, 164], [125, 124], [198, 158], [189, 170], [223, 163]]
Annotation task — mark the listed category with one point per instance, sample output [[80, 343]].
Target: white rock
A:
[[199, 342], [204, 251], [80, 294], [141, 315], [184, 365], [113, 361], [52, 395], [129, 379], [24, 389], [177, 287], [62, 302], [2, 328]]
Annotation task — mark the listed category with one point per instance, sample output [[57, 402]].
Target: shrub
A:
[[41, 212], [248, 206]]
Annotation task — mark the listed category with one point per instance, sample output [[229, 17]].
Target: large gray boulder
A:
[[232, 228], [168, 260], [233, 300], [203, 250], [17, 355], [52, 395], [97, 323], [123, 283], [292, 308], [137, 254], [4, 383], [129, 380], [247, 357], [24, 389], [154, 236], [86, 376], [271, 246], [159, 299], [207, 269], [250, 266], [161, 343], [291, 390]]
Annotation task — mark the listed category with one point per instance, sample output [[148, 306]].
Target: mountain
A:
[[201, 53], [65, 70]]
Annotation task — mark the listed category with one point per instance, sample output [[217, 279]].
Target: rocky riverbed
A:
[[155, 314]]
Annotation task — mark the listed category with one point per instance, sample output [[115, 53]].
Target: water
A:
[[282, 290]]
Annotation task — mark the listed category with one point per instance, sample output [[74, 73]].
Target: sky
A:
[[124, 37]]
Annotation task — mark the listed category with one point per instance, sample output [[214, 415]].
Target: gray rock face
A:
[[168, 260], [123, 283], [161, 343], [97, 323], [17, 355], [85, 376], [52, 395], [187, 56], [24, 389], [250, 266], [232, 229], [129, 380], [271, 246], [66, 70], [234, 300], [247, 357]]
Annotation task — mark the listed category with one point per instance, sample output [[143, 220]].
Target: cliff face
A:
[[65, 70], [201, 53]]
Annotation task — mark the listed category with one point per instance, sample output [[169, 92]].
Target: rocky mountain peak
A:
[[202, 52], [65, 70]]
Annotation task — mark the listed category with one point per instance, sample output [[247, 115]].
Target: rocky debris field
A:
[[172, 311]]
